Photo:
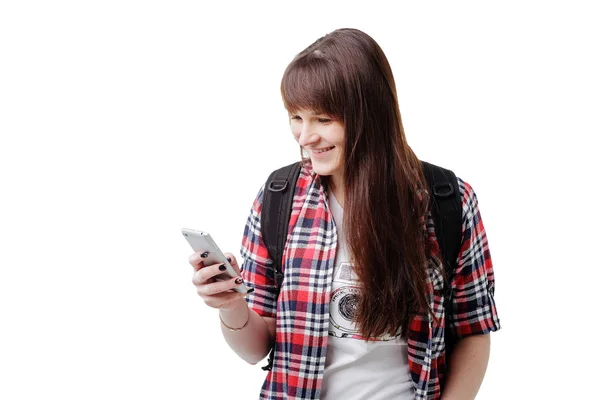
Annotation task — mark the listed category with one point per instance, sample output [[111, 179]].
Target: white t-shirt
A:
[[355, 369]]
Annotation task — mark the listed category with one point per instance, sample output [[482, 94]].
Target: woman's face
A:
[[323, 138]]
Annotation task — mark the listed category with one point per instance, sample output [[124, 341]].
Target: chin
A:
[[323, 169]]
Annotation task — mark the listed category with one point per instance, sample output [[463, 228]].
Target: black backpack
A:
[[446, 211]]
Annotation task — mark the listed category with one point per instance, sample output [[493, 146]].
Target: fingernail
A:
[[204, 255], [222, 267], [229, 259], [238, 281]]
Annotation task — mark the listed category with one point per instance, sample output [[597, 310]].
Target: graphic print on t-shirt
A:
[[344, 302]]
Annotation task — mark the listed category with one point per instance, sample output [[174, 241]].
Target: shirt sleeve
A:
[[257, 267], [473, 307]]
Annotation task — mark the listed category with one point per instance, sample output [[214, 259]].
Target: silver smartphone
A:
[[202, 241]]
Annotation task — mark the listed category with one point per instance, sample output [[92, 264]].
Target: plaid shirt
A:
[[302, 308]]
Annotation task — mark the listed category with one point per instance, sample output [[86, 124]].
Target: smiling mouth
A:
[[323, 150]]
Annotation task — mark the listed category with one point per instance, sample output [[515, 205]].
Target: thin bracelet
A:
[[235, 329]]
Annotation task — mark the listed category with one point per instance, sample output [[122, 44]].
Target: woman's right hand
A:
[[216, 294]]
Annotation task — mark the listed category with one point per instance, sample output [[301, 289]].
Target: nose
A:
[[307, 135]]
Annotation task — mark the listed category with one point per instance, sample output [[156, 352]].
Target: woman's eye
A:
[[320, 120]]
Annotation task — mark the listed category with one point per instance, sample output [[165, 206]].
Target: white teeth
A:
[[324, 150]]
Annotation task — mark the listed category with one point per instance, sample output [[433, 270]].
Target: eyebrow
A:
[[312, 113]]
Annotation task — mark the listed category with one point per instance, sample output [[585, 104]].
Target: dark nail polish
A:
[[204, 255], [238, 281], [229, 259], [222, 267]]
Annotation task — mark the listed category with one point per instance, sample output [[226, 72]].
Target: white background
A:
[[123, 121]]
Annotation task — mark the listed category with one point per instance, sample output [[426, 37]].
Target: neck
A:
[[337, 187]]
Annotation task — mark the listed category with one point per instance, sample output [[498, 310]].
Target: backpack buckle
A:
[[448, 193], [277, 185]]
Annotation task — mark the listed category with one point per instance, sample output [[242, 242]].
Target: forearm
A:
[[253, 342], [466, 367]]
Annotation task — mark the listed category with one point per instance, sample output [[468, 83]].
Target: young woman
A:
[[360, 313]]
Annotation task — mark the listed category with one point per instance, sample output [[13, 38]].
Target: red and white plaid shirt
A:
[[302, 308]]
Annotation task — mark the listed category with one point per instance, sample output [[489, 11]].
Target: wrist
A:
[[235, 329], [234, 307], [235, 318]]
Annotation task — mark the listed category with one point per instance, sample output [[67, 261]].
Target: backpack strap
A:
[[277, 207], [446, 211], [275, 218]]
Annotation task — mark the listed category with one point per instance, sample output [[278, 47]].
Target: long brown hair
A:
[[346, 75]]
